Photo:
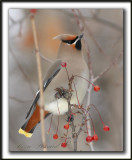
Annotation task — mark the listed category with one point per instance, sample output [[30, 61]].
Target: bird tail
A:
[[28, 127]]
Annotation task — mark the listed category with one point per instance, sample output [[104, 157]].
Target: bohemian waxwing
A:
[[70, 52]]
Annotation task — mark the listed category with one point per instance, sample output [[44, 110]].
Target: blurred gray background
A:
[[106, 26]]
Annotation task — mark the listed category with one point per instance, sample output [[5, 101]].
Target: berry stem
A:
[[76, 93], [84, 79], [50, 123], [83, 109], [66, 136], [57, 125], [98, 113]]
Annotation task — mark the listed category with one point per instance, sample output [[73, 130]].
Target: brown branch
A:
[[40, 83], [115, 61]]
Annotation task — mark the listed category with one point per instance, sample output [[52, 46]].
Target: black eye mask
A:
[[70, 41], [78, 45]]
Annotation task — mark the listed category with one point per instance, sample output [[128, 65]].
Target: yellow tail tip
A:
[[21, 131]]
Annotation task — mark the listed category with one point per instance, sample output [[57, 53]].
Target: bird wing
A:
[[51, 73]]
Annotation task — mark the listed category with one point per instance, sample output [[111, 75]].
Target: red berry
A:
[[89, 138], [64, 144], [33, 10], [96, 88], [66, 126], [64, 64], [95, 137], [55, 136], [106, 128]]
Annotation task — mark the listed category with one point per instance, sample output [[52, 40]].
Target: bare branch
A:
[[91, 76], [19, 100], [74, 135], [81, 126], [108, 23], [91, 34], [81, 27], [20, 22], [115, 61], [88, 122], [44, 58], [89, 58], [95, 17], [21, 69], [78, 21]]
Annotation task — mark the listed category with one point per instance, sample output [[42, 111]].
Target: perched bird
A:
[[70, 52]]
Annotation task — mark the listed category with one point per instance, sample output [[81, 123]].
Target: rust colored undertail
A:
[[29, 126]]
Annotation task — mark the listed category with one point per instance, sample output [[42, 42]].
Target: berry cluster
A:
[[66, 126], [95, 136]]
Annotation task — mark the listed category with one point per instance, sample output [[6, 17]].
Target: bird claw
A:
[[70, 118]]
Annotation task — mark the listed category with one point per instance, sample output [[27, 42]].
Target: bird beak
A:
[[81, 36]]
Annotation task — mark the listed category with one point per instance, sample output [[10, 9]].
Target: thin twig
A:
[[108, 68], [40, 83], [78, 21], [44, 58], [21, 69], [19, 100], [97, 19], [108, 23], [91, 35], [89, 58], [81, 27], [20, 22]]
